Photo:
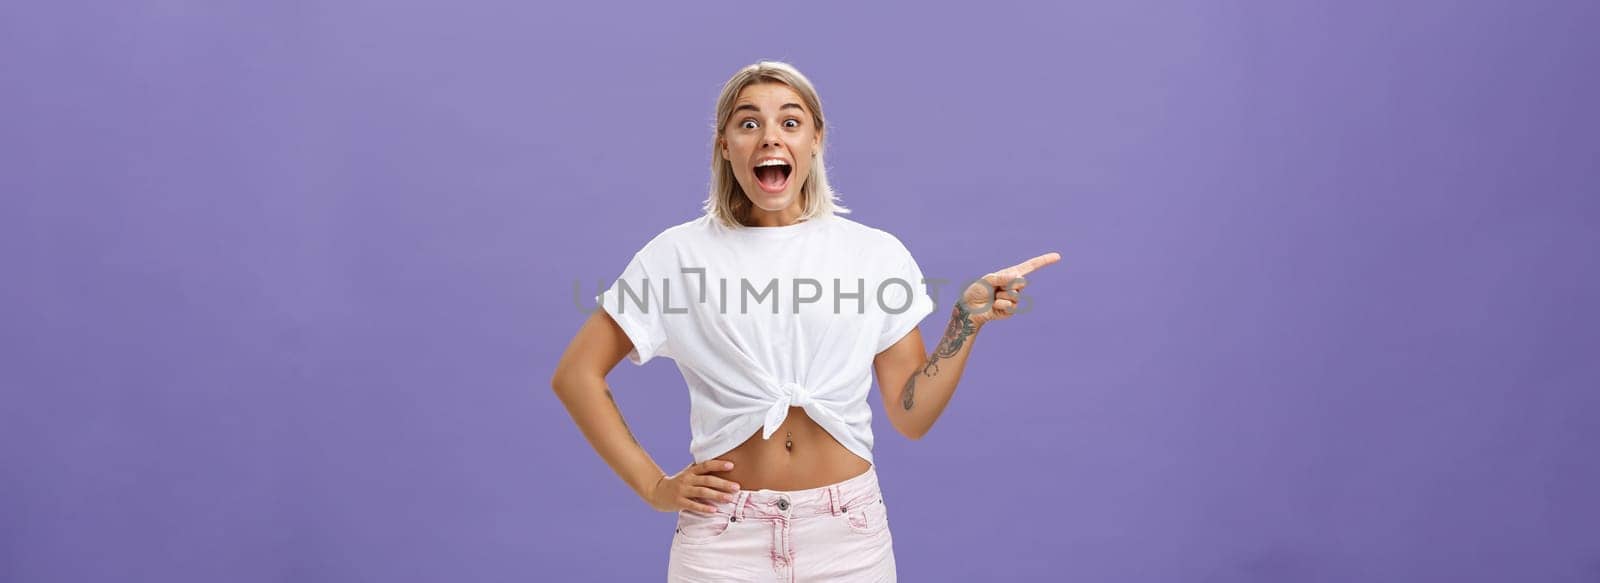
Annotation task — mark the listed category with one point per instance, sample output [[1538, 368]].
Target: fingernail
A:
[[736, 487], [727, 466]]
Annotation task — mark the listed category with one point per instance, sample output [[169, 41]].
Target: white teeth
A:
[[765, 163]]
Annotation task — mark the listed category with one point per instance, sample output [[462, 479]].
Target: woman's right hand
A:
[[692, 487]]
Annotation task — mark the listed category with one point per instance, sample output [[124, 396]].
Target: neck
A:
[[758, 217]]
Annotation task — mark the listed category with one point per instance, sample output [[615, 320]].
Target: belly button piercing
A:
[[788, 442]]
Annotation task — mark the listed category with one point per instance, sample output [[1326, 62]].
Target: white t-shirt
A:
[[759, 319]]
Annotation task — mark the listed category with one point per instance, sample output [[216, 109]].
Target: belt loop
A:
[[738, 504], [835, 499], [874, 484]]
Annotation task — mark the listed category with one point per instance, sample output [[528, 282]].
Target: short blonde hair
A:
[[727, 201]]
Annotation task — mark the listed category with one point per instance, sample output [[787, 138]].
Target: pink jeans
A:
[[838, 532]]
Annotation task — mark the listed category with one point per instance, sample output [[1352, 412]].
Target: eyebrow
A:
[[747, 106]]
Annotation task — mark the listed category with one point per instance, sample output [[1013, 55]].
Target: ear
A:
[[722, 146]]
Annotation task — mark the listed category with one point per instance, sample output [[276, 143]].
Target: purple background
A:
[[284, 283]]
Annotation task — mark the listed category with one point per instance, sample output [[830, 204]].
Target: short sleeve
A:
[[634, 301], [893, 298]]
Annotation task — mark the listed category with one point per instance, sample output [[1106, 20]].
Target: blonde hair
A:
[[727, 202]]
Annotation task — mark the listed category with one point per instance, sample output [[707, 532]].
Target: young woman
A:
[[778, 311]]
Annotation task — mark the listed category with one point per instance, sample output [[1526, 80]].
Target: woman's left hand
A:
[[995, 296]]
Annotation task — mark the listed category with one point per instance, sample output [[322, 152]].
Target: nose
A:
[[771, 139]]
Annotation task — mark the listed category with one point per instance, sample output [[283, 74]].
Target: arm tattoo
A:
[[955, 336], [619, 416]]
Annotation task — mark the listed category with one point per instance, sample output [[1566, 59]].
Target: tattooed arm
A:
[[915, 387]]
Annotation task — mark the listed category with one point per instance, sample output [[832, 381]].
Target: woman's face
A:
[[769, 141]]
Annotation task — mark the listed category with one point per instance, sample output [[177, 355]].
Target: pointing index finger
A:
[[1028, 266]]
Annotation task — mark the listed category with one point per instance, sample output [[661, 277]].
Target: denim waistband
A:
[[833, 499]]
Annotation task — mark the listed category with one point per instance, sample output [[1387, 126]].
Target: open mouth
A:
[[773, 176]]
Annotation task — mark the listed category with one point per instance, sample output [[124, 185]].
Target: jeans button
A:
[[783, 504]]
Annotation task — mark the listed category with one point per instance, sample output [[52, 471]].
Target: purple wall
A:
[[284, 283]]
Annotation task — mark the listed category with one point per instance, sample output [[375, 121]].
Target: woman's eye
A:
[[791, 123], [748, 124]]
